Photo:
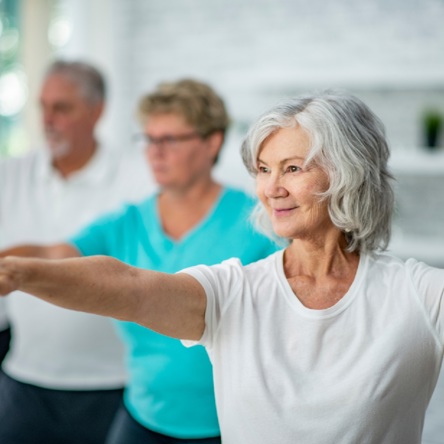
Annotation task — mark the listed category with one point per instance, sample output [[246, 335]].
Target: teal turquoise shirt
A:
[[170, 387]]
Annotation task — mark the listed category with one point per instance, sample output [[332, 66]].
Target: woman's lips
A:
[[281, 212]]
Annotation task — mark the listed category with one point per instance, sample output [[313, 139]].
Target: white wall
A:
[[257, 51], [254, 52]]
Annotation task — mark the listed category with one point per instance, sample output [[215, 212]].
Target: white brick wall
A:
[[256, 51], [388, 52]]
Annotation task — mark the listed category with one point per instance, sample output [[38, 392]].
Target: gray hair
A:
[[348, 142], [87, 78]]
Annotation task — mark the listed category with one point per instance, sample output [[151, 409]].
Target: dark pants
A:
[[35, 415], [5, 336], [127, 430]]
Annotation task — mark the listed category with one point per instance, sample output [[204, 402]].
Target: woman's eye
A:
[[293, 169], [262, 169]]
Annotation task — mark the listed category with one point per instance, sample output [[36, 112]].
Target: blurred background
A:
[[390, 53]]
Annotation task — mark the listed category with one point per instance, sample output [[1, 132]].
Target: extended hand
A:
[[9, 275]]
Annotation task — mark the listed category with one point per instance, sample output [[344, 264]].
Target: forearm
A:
[[173, 305], [23, 251], [94, 284], [55, 251]]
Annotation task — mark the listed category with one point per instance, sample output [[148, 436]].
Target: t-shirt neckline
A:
[[199, 226], [340, 306]]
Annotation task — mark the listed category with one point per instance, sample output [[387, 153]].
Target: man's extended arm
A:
[[55, 251]]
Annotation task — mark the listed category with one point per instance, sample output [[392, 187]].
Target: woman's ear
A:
[[215, 141]]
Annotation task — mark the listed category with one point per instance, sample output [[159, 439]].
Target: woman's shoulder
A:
[[259, 269], [235, 265], [238, 196], [415, 272], [267, 263], [128, 212]]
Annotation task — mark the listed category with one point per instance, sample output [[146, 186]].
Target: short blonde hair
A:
[[195, 101]]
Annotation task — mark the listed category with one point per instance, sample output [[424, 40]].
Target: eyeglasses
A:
[[169, 142]]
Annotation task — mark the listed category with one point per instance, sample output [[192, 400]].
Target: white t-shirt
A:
[[54, 347], [362, 371]]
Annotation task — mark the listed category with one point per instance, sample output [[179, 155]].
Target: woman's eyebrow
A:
[[287, 159]]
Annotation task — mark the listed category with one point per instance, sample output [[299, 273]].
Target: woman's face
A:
[[288, 190], [177, 154]]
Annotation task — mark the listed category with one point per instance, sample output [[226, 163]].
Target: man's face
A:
[[68, 118]]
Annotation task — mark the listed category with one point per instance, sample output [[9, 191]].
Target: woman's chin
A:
[[282, 231]]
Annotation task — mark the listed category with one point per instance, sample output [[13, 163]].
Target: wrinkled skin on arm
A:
[[173, 305]]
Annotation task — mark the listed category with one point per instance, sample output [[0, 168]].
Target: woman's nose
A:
[[275, 186]]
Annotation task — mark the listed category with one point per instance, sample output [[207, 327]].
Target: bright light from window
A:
[[13, 92], [9, 40], [59, 32]]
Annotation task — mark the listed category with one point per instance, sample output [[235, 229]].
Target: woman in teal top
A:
[[191, 220], [170, 387]]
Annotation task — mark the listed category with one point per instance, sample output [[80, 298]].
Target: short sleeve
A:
[[429, 284], [221, 284]]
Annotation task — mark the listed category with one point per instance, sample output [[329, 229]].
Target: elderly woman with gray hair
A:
[[329, 340]]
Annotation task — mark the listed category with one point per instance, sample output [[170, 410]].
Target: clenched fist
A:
[[9, 275]]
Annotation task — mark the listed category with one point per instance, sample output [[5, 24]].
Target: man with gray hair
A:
[[62, 378]]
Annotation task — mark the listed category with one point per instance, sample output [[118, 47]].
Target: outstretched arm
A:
[[173, 305], [55, 251]]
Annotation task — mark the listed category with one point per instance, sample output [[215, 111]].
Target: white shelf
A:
[[427, 249], [418, 162]]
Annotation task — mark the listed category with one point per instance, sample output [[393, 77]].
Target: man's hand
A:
[[9, 275]]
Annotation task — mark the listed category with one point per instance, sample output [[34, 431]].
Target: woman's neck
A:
[[181, 210], [320, 275]]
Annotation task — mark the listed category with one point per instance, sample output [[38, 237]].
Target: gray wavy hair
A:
[[349, 143]]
